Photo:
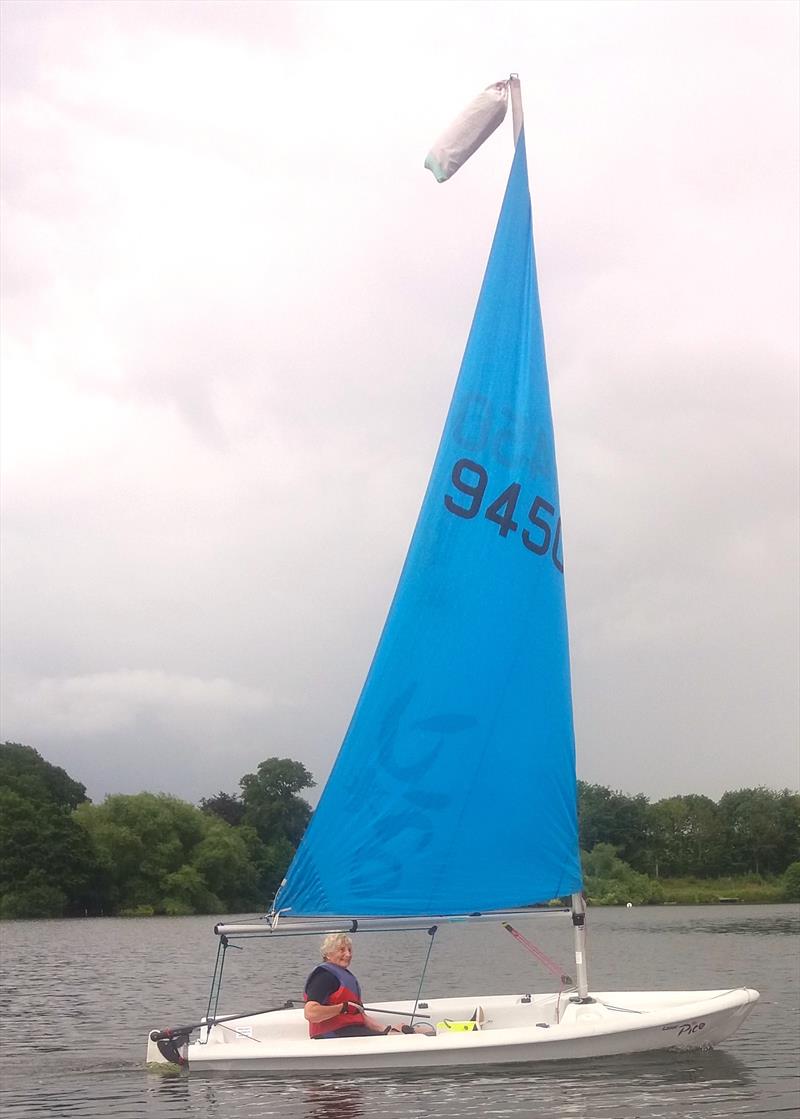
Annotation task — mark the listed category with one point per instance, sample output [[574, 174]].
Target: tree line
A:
[[143, 854], [750, 831], [151, 853]]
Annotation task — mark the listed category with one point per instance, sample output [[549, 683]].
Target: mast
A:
[[579, 927], [515, 89], [578, 899]]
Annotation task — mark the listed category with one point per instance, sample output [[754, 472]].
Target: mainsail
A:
[[454, 790]]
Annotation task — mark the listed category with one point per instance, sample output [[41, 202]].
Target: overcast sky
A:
[[234, 308]]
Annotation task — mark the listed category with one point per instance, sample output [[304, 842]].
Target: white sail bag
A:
[[468, 131]]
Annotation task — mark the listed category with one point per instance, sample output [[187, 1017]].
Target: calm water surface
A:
[[78, 998]]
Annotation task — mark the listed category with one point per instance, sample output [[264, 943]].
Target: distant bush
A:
[[610, 881], [33, 896], [791, 882]]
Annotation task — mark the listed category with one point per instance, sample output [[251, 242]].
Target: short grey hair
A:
[[332, 941]]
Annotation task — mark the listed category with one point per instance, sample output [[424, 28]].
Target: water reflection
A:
[[780, 926], [785, 924], [662, 1083], [662, 1086], [342, 1101], [701, 1066]]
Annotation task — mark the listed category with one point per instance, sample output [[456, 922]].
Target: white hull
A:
[[513, 1031]]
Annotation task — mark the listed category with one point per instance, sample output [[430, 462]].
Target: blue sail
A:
[[454, 790]]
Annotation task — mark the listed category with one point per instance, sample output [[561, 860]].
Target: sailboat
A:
[[453, 797]]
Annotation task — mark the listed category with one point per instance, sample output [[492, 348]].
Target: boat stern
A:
[[167, 1050]]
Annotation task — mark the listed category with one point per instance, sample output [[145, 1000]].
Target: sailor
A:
[[333, 996]]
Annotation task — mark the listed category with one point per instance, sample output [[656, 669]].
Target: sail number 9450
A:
[[470, 479]]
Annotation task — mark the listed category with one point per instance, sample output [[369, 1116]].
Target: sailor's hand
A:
[[350, 1008]]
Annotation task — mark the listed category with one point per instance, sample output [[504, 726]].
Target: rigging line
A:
[[222, 947], [534, 949], [564, 980], [215, 995], [432, 934], [545, 960]]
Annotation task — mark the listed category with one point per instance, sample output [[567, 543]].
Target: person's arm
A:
[[319, 988], [319, 1012], [316, 1012]]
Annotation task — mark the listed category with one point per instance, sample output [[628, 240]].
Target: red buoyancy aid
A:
[[342, 993]]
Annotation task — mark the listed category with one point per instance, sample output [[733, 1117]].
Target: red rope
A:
[[545, 961], [542, 957]]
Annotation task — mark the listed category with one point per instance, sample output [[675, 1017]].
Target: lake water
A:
[[79, 997]]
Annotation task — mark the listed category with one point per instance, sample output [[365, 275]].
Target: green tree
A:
[[760, 829], [227, 807], [610, 881], [687, 836], [228, 860], [185, 891], [60, 854], [788, 811], [606, 816], [24, 770], [161, 854], [271, 803], [47, 869], [791, 882], [276, 815]]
